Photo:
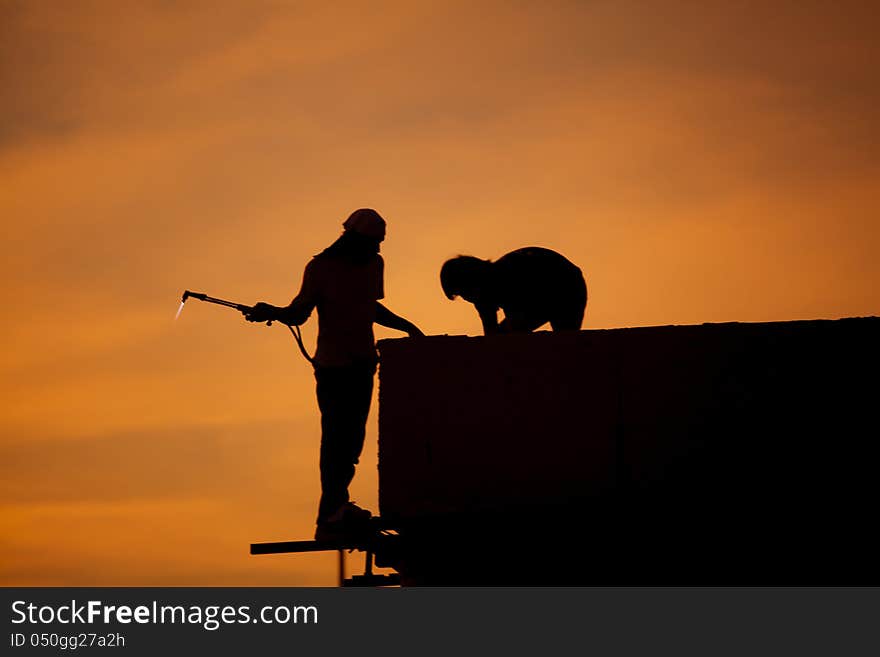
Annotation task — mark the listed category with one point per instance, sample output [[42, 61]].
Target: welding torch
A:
[[201, 296], [244, 309]]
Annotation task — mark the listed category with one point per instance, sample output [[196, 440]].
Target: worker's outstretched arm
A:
[[388, 319], [295, 313]]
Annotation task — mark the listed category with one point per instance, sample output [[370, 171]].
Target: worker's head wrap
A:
[[366, 222]]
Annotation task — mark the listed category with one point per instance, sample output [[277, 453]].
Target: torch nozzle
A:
[[186, 295], [195, 295]]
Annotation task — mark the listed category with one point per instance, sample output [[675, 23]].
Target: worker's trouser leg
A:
[[344, 395]]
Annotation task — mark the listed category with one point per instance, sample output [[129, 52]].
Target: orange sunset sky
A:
[[701, 162]]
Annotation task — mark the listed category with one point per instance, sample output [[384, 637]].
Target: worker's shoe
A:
[[347, 523]]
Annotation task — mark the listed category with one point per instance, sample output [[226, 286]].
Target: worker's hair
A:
[[351, 246], [460, 272]]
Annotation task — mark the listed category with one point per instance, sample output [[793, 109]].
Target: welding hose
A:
[[297, 335]]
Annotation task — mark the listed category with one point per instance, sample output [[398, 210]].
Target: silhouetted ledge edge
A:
[[384, 342]]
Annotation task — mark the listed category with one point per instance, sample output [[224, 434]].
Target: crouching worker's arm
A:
[[388, 319], [489, 317]]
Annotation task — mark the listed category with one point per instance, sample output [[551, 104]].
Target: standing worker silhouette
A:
[[344, 282], [532, 286]]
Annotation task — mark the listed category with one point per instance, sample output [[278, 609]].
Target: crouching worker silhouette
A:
[[532, 286], [344, 282]]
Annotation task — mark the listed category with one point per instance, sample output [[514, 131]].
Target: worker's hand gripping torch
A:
[[244, 310]]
